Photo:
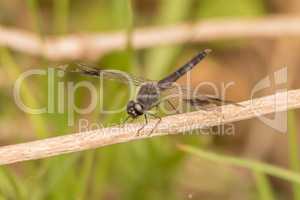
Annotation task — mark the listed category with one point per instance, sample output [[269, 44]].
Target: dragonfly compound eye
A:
[[138, 107], [134, 109]]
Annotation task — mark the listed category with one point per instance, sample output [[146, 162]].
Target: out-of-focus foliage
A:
[[149, 169], [230, 8]]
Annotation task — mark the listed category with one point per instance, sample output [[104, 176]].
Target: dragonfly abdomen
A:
[[184, 69]]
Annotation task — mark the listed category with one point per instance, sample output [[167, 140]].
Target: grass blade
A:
[[293, 149], [61, 13], [249, 164], [263, 186]]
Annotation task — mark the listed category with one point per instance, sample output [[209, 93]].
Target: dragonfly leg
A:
[[173, 107], [124, 121], [145, 124], [170, 103], [156, 124]]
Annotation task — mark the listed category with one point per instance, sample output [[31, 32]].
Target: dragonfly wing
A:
[[118, 75], [189, 97], [206, 100]]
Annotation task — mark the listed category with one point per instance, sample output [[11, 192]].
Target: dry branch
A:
[[78, 46], [169, 125]]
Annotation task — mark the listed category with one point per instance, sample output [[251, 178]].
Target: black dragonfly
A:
[[150, 92]]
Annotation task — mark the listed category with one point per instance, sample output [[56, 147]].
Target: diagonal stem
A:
[[169, 125]]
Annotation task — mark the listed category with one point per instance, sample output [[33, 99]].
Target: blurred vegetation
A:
[[149, 169]]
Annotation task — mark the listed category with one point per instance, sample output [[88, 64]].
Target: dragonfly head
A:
[[134, 109]]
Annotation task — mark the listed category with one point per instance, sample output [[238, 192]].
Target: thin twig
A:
[[92, 46], [169, 125]]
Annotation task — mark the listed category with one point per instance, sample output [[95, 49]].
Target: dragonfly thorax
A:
[[134, 109], [148, 95]]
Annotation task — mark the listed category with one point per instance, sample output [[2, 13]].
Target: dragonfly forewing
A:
[[117, 75]]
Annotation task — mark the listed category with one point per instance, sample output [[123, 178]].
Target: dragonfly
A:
[[150, 92]]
